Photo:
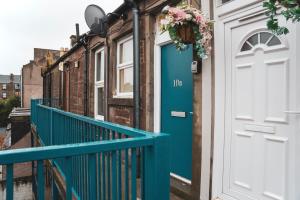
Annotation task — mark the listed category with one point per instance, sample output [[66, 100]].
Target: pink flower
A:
[[199, 19], [177, 13]]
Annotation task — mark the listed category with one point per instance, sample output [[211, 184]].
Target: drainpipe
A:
[[84, 41], [85, 80], [136, 61]]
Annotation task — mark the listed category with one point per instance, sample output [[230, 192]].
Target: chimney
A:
[[11, 78], [77, 32], [61, 51], [73, 40]]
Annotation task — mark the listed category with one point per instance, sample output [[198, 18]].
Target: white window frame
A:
[[17, 86], [120, 67], [98, 84], [4, 95], [4, 86]]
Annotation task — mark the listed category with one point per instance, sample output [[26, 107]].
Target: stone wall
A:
[[22, 190]]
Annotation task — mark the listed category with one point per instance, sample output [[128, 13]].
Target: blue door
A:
[[177, 106]]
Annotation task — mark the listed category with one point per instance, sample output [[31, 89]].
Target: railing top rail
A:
[[114, 127], [67, 150]]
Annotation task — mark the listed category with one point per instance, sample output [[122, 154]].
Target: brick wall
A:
[[117, 110], [32, 83], [10, 90]]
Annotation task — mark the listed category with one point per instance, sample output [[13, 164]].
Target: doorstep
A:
[[179, 190]]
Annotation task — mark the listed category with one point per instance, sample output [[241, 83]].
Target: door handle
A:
[[191, 113], [294, 112], [178, 114]]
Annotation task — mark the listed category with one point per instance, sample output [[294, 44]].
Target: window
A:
[[4, 87], [225, 1], [4, 95], [261, 38], [17, 86], [125, 68], [99, 84]]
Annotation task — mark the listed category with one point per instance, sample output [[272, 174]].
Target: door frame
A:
[[161, 39], [224, 14], [97, 85]]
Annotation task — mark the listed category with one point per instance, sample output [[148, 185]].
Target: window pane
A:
[[102, 66], [98, 66], [100, 101], [246, 47], [264, 36], [126, 80], [274, 41], [253, 39], [126, 52]]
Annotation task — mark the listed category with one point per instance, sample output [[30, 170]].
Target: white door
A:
[[260, 136]]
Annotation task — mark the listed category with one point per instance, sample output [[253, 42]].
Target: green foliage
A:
[[291, 11], [6, 107]]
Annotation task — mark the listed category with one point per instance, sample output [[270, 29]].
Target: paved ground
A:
[[174, 197]]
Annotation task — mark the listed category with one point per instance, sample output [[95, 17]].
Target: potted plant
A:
[[188, 25], [290, 10]]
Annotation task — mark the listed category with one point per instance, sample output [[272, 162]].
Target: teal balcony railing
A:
[[96, 159]]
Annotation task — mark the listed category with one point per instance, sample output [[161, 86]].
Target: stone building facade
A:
[[91, 79], [9, 86], [32, 81]]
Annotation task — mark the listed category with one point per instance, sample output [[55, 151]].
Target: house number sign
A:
[[177, 83]]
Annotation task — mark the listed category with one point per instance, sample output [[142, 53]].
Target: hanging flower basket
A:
[[188, 25], [186, 33]]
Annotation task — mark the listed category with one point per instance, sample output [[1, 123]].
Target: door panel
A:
[[176, 107], [258, 148]]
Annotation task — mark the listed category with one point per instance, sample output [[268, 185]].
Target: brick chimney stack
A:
[[11, 78]]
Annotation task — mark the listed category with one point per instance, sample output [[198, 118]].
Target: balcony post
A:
[[156, 170], [51, 126]]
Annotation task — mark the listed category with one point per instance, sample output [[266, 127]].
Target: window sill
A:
[[123, 96]]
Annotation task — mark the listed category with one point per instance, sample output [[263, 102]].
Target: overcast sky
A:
[[28, 24]]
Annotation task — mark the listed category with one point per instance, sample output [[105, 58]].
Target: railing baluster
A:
[[54, 190], [85, 169], [142, 173], [99, 166], [10, 182], [133, 173], [103, 169], [68, 180], [41, 181], [120, 171], [92, 176], [126, 176], [99, 176], [114, 175], [108, 168]]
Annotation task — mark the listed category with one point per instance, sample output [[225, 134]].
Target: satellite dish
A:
[[96, 20]]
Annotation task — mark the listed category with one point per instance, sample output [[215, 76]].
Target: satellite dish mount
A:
[[96, 19]]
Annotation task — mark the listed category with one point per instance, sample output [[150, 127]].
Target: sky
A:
[[28, 24]]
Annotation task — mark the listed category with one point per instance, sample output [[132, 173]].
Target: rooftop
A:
[[6, 78]]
